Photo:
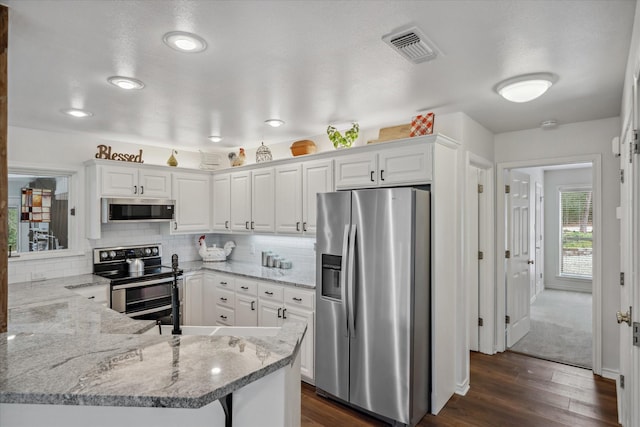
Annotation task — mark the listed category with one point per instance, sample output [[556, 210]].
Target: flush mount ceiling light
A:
[[525, 88], [76, 112], [126, 83], [274, 123], [215, 138], [184, 42]]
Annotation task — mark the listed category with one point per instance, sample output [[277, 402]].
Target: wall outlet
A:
[[37, 276]]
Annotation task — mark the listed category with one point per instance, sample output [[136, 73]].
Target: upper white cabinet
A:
[[250, 199], [192, 193], [262, 200], [221, 220], [240, 199], [385, 167], [122, 181], [296, 189]]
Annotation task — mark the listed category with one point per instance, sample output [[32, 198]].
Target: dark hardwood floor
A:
[[507, 389]]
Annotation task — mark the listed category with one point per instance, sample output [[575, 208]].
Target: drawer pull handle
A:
[[223, 299], [222, 316], [284, 311], [223, 283], [268, 293], [279, 310], [246, 288], [297, 299], [253, 306]]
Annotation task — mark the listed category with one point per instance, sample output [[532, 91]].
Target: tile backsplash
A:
[[300, 250]]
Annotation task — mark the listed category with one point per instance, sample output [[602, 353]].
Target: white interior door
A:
[[519, 260], [473, 250], [539, 226]]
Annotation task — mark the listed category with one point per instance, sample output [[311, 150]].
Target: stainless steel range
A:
[[143, 292]]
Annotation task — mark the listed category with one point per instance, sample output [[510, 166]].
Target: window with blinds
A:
[[576, 233]]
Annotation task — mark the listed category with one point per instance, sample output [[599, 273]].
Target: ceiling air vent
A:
[[412, 44]]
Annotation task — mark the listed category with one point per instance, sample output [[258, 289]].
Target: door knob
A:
[[624, 317], [530, 261]]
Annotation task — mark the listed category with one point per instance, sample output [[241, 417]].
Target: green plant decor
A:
[[343, 141]]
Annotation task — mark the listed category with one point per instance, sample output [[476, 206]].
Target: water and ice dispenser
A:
[[331, 268]]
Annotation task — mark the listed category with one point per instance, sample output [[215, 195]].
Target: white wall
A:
[[554, 179], [592, 137]]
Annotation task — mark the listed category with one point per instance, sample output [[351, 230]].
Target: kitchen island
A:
[[69, 361]]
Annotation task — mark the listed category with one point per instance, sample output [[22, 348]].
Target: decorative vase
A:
[[172, 160]]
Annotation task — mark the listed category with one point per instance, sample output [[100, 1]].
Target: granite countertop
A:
[[299, 277], [62, 348]]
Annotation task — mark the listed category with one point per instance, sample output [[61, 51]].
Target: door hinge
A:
[[480, 255], [622, 278], [480, 321], [480, 188], [507, 189], [507, 254], [622, 176], [621, 381], [636, 334], [507, 319]]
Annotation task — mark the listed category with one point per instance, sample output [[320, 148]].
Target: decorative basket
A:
[[263, 154], [210, 161], [302, 147]]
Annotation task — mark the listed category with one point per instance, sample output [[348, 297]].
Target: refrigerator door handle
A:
[[344, 274], [351, 283]]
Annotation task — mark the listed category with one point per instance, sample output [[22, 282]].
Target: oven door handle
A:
[[151, 310], [145, 283]]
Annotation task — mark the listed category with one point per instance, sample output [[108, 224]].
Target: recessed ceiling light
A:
[[184, 42], [76, 112], [215, 138], [274, 123], [525, 88], [126, 83]]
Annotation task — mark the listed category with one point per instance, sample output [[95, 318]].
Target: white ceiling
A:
[[309, 63]]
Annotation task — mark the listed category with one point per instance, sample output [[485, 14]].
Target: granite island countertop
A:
[[298, 276], [61, 348]]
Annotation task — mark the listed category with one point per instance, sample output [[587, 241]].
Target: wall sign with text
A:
[[104, 152]]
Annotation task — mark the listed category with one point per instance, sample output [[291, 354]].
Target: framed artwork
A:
[[35, 205]]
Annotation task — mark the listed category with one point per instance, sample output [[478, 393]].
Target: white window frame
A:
[[76, 222], [568, 188]]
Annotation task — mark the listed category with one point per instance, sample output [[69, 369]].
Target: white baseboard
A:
[[463, 388], [611, 374]]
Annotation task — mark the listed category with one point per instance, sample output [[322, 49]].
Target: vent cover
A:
[[412, 44]]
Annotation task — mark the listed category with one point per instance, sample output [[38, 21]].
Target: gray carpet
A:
[[560, 328]]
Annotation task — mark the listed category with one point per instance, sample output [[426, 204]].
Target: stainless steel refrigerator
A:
[[373, 301]]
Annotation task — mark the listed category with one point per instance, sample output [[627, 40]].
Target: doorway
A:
[[563, 295]]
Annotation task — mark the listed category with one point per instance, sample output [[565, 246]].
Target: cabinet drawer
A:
[[225, 315], [300, 298], [225, 282], [225, 297], [270, 292], [246, 287]]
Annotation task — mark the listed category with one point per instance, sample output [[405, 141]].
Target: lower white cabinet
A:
[[227, 300], [193, 302]]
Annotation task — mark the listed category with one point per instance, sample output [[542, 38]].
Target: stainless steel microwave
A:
[[137, 210]]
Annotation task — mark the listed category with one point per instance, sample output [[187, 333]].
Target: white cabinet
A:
[[296, 189], [123, 181], [299, 305], [405, 165], [262, 200], [246, 303], [317, 177], [221, 218], [192, 193], [240, 201], [193, 299], [289, 198]]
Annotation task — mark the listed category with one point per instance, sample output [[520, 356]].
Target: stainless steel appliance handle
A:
[[351, 283], [151, 310], [144, 283], [343, 274]]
